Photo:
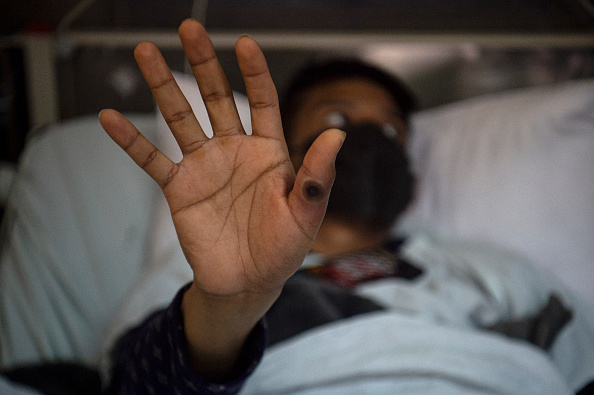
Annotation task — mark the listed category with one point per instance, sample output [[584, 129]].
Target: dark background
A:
[[89, 78]]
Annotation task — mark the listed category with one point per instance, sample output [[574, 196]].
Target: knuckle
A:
[[193, 146], [162, 83], [263, 105], [217, 96], [209, 58], [170, 175], [228, 131], [149, 159], [126, 146], [178, 117]]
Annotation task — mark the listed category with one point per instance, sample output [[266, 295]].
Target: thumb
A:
[[309, 198]]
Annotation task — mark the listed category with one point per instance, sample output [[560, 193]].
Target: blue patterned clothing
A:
[[153, 358]]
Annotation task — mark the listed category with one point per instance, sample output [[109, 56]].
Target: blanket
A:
[[390, 352], [434, 335]]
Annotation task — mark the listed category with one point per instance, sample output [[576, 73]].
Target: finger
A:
[[309, 198], [142, 151], [266, 119], [171, 101], [214, 87]]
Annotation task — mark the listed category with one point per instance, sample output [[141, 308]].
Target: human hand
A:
[[244, 219]]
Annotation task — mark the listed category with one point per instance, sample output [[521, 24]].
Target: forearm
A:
[[156, 356], [216, 329]]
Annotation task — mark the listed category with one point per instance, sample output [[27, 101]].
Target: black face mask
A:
[[373, 178]]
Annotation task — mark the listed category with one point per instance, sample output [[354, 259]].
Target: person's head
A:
[[373, 182], [339, 91]]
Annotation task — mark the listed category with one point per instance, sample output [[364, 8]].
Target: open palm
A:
[[244, 219]]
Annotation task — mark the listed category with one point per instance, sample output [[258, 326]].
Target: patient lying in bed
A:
[[329, 299], [369, 308]]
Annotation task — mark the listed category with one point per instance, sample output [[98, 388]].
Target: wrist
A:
[[216, 328]]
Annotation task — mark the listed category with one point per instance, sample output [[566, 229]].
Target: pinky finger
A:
[[139, 148]]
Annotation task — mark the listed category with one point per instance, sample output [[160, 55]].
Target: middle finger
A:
[[214, 87]]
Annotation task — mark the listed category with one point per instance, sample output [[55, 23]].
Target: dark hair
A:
[[337, 69]]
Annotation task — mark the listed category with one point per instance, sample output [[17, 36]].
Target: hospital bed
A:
[[511, 171]]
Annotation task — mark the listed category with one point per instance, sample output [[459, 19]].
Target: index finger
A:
[[139, 148], [212, 82]]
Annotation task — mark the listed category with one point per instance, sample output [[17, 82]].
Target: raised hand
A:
[[244, 219]]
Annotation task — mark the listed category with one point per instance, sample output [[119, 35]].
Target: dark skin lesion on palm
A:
[[313, 191]]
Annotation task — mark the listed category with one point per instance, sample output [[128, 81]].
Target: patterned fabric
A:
[[153, 358], [350, 270]]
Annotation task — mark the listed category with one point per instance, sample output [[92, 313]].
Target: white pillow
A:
[[73, 240], [516, 170]]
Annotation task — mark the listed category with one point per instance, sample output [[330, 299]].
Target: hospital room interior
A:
[[501, 146]]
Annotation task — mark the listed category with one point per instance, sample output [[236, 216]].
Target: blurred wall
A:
[[90, 78]]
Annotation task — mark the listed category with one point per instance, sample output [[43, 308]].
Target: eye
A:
[[336, 119]]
